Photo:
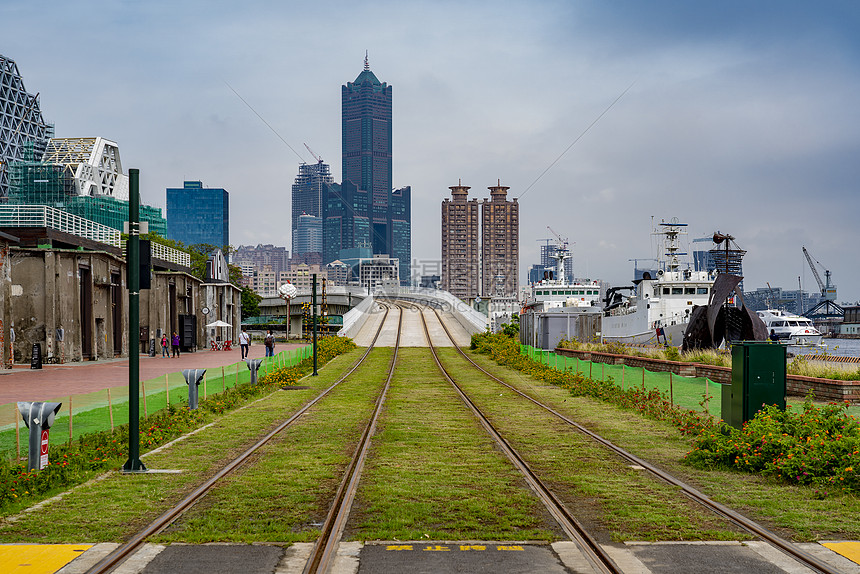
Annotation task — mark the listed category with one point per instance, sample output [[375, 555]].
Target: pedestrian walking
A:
[[244, 343], [270, 344], [175, 344], [164, 345]]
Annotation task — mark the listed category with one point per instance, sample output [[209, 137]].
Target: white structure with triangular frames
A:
[[94, 163]]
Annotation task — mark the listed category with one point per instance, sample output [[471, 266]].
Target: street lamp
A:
[[287, 291]]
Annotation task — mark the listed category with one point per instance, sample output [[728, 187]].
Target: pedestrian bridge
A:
[[471, 320]]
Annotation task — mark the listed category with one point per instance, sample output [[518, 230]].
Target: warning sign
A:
[[43, 460]]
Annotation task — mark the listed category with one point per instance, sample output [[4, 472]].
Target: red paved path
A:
[[25, 384]]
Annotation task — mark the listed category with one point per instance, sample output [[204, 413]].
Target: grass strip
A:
[[285, 493], [111, 510], [435, 474], [794, 512], [602, 489], [92, 411]]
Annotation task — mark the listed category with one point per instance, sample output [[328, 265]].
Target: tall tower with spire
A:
[[366, 146]]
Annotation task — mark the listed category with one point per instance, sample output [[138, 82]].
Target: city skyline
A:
[[734, 117]]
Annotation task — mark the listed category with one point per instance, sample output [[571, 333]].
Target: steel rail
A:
[[740, 520], [324, 551], [125, 551], [599, 559]]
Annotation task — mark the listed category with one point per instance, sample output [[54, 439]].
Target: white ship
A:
[[554, 292], [659, 309], [789, 328]]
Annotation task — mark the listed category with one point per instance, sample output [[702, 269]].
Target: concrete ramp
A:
[[361, 322]]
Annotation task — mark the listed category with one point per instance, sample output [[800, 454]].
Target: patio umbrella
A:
[[219, 323]]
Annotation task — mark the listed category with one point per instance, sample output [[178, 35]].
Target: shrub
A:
[[650, 403], [818, 446], [72, 463]]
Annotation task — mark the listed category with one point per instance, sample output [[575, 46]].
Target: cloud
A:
[[741, 117]]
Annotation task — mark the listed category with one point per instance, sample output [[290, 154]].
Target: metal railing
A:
[[46, 216], [166, 253]]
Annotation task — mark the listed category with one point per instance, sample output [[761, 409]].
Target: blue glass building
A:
[[197, 214], [400, 216]]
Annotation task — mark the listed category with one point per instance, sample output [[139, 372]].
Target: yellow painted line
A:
[[38, 558], [850, 550]]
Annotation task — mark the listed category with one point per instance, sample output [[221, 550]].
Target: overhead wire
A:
[[264, 121], [338, 195], [585, 131]]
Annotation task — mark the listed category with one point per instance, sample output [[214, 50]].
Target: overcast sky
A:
[[740, 116]]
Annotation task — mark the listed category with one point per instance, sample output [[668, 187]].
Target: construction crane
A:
[[563, 240], [316, 157], [826, 307]]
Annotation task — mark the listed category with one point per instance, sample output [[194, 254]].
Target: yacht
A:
[[659, 308], [789, 328]]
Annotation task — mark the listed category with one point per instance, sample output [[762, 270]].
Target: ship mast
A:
[[671, 233]]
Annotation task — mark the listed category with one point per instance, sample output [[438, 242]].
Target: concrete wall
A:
[[5, 304], [85, 294], [47, 287], [797, 385], [224, 301], [172, 293]]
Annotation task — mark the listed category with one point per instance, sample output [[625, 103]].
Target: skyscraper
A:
[[197, 214], [346, 224], [500, 236], [307, 235], [460, 272], [21, 122], [400, 231], [365, 211], [366, 149], [307, 199]]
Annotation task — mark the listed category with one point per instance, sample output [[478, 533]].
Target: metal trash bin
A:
[[758, 378]]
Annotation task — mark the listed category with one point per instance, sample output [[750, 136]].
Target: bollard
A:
[[254, 366], [193, 378], [38, 417]]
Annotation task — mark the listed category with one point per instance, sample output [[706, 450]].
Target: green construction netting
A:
[[37, 183], [101, 410], [686, 392]]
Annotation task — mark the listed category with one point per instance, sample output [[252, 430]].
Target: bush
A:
[[650, 403], [819, 446], [75, 462]]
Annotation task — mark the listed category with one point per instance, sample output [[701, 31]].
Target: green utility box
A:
[[758, 378]]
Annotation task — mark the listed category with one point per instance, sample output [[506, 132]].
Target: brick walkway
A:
[[25, 384]]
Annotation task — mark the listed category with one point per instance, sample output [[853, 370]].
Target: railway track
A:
[[596, 555], [599, 559], [325, 549]]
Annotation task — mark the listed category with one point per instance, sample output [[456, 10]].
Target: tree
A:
[[250, 303]]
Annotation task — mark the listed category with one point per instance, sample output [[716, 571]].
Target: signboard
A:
[[43, 458], [36, 359]]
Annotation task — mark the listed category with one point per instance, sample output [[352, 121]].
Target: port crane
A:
[[826, 308]]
